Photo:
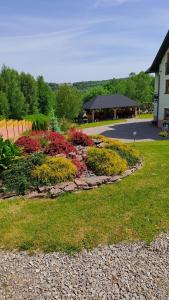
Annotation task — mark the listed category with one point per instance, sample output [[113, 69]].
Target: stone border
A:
[[79, 184]]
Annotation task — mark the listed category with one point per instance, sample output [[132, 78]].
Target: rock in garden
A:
[[80, 182], [43, 189], [35, 194], [96, 180], [70, 187], [55, 192], [114, 178]]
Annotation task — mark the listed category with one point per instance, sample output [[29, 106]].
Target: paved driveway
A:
[[124, 131]]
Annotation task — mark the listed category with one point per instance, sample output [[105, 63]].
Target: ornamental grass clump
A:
[[105, 161], [54, 170]]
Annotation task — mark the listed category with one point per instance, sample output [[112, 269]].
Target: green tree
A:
[[144, 87], [94, 91], [45, 96], [130, 88], [29, 89], [4, 106], [9, 80], [69, 102], [54, 125], [17, 107], [10, 85]]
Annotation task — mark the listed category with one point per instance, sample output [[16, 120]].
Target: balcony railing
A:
[[167, 68]]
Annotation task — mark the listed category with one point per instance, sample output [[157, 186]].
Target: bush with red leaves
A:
[[50, 135], [46, 137], [77, 137], [36, 133], [59, 146], [80, 165], [28, 145]]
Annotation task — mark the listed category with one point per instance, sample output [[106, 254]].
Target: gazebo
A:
[[106, 107]]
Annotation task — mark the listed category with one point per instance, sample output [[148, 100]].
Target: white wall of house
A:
[[163, 97]]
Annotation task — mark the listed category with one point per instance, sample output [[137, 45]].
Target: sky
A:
[[76, 40]]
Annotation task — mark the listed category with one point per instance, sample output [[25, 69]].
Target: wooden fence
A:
[[12, 129]]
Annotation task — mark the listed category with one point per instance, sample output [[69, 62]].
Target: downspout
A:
[[158, 98]]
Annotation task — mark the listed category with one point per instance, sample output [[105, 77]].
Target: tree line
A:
[[21, 94], [138, 87]]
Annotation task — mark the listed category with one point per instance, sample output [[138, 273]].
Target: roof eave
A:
[[152, 69]]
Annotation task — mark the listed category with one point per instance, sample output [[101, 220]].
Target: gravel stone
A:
[[123, 271]]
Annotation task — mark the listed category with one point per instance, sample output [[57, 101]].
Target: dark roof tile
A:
[[155, 65], [113, 101]]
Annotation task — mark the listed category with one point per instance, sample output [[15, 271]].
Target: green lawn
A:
[[107, 122], [145, 116], [136, 208], [100, 123]]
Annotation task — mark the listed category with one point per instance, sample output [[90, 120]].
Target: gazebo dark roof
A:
[[155, 65], [114, 101]]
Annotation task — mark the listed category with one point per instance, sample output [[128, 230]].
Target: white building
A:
[[160, 67]]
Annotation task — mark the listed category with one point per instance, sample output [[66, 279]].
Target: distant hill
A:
[[83, 85]]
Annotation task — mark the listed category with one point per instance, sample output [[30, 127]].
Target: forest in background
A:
[[21, 94]]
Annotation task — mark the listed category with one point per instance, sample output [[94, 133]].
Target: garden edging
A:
[[79, 184]]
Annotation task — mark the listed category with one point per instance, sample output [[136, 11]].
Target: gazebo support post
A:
[[135, 112], [93, 112], [115, 113]]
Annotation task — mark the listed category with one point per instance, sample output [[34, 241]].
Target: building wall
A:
[[163, 97]]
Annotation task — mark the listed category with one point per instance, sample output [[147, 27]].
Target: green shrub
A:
[[65, 124], [105, 162], [40, 125], [18, 176], [37, 117], [8, 152], [129, 153], [126, 151], [163, 134], [54, 170], [53, 122], [39, 121]]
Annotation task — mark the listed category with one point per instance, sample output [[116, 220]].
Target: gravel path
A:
[[123, 271]]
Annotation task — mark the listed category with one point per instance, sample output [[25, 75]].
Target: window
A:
[[167, 87], [166, 114]]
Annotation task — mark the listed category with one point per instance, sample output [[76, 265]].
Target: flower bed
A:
[[47, 164]]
